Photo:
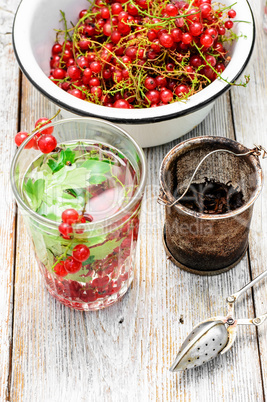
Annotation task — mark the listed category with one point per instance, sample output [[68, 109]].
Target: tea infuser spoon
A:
[[215, 335]]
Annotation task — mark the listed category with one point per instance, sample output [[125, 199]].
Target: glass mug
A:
[[92, 267]]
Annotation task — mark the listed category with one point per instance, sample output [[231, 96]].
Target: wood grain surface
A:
[[50, 353], [9, 84]]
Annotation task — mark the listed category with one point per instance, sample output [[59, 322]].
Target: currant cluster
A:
[[69, 217], [142, 53], [43, 140], [80, 252]]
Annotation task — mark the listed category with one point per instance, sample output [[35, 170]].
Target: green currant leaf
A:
[[96, 166], [97, 179], [35, 191]]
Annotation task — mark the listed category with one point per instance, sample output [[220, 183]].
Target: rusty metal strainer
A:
[[214, 336]]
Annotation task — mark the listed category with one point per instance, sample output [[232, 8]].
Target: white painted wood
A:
[[123, 353], [9, 78]]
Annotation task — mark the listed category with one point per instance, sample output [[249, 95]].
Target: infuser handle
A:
[[233, 298], [253, 321]]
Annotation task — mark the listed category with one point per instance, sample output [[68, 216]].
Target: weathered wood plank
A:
[[61, 354], [9, 84], [249, 107], [124, 352]]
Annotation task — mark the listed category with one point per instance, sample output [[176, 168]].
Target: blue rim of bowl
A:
[[143, 120]]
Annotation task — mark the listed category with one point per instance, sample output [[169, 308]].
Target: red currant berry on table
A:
[[60, 269], [47, 143], [42, 122], [81, 252], [70, 216], [72, 266]]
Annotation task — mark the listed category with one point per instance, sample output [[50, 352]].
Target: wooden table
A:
[[50, 353]]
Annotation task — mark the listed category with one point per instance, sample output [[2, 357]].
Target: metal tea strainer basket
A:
[[214, 336], [208, 243]]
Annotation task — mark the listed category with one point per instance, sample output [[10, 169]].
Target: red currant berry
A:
[[206, 40], [166, 40], [57, 48], [47, 143], [176, 34], [166, 96], [82, 13], [59, 73], [72, 266], [82, 62], [228, 24], [42, 122], [196, 29], [171, 10], [70, 216], [187, 38], [122, 104], [205, 9], [150, 83], [65, 230], [76, 92], [153, 96], [116, 8], [221, 31], [21, 136], [60, 269], [74, 73], [181, 90], [81, 252], [231, 14]]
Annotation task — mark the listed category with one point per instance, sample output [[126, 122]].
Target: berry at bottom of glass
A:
[[89, 266]]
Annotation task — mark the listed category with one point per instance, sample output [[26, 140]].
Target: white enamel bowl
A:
[[34, 35]]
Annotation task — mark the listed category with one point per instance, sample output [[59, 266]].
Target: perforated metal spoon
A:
[[215, 335]]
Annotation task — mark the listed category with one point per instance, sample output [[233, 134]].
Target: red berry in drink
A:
[[47, 143], [65, 230], [72, 266], [70, 216], [81, 252], [60, 269], [42, 122]]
